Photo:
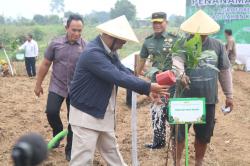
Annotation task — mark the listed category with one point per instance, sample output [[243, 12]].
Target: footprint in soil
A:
[[2, 135], [23, 110], [126, 141]]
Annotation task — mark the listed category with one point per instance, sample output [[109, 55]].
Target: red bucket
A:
[[166, 78]]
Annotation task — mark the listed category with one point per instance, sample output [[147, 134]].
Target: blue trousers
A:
[[30, 63]]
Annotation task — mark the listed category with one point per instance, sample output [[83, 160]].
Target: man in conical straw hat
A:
[[93, 91], [204, 82]]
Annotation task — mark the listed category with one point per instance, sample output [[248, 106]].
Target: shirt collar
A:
[[205, 41], [163, 34], [106, 47], [67, 41]]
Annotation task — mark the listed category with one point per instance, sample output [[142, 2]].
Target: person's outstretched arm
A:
[[42, 72]]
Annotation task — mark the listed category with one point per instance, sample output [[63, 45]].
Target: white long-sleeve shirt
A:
[[82, 119], [31, 48]]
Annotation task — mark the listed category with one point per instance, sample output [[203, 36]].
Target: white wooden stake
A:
[[134, 130]]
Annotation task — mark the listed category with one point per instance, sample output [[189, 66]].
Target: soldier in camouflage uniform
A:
[[157, 47]]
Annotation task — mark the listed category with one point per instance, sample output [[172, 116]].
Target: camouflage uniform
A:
[[158, 48]]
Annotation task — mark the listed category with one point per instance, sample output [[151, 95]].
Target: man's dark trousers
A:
[[54, 104], [30, 63]]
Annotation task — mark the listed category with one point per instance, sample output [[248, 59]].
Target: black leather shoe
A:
[[68, 156], [155, 145]]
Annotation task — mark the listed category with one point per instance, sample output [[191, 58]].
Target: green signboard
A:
[[187, 110], [230, 14]]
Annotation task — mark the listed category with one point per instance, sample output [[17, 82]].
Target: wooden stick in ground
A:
[[175, 144], [137, 61]]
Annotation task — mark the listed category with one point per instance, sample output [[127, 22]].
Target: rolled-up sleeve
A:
[[50, 52], [223, 61], [23, 46], [225, 75], [144, 51]]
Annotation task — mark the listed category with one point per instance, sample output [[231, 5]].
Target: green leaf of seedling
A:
[[193, 49], [212, 67], [208, 54]]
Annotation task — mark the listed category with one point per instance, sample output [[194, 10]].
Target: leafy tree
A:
[[97, 17], [123, 7], [38, 34], [39, 19], [68, 13], [50, 19], [176, 21], [57, 6], [2, 19], [24, 21], [53, 19]]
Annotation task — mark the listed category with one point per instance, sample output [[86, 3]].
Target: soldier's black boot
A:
[[158, 143], [155, 145]]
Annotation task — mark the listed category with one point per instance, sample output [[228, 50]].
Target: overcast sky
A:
[[27, 8]]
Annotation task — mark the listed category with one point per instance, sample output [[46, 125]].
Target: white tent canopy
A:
[[243, 55], [129, 61]]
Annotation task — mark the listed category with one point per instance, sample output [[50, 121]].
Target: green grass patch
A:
[[45, 33]]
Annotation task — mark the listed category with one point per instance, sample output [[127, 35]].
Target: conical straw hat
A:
[[118, 28], [200, 23]]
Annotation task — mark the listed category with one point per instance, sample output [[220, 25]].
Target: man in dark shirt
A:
[[63, 52]]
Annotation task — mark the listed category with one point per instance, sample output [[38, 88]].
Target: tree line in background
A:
[[121, 7], [11, 36]]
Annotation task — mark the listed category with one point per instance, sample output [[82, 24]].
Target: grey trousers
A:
[[85, 142]]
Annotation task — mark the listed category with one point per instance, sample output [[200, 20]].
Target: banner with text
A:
[[230, 14]]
